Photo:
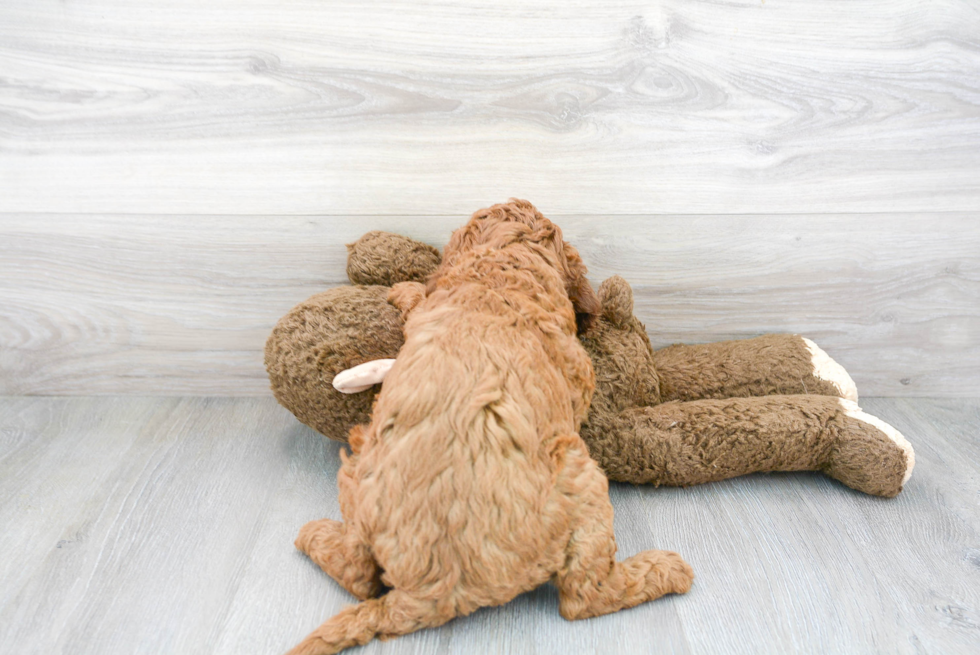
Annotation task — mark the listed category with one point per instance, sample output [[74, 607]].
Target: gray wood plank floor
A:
[[165, 525]]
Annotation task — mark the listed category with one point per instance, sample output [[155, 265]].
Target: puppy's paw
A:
[[662, 572], [305, 538], [318, 534], [680, 575]]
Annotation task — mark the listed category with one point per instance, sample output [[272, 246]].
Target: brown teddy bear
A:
[[678, 416]]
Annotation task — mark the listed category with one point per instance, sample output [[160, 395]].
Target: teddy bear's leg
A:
[[591, 582], [860, 460], [685, 443], [767, 365]]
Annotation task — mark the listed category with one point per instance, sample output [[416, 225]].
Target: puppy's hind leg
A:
[[342, 556], [592, 582], [333, 545]]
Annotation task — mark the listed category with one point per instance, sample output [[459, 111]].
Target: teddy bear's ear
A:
[[616, 297], [386, 259]]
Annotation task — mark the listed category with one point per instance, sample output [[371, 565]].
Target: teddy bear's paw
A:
[[825, 368], [853, 411]]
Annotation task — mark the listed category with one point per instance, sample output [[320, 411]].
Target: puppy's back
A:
[[456, 493]]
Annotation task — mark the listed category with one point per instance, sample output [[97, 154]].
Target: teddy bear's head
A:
[[340, 328], [328, 333]]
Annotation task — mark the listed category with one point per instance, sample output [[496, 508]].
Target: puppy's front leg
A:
[[592, 582]]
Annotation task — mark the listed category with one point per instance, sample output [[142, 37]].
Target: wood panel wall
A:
[[183, 304]]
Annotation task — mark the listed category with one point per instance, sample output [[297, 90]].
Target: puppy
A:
[[471, 485]]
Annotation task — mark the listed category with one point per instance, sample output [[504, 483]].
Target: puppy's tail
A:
[[395, 613]]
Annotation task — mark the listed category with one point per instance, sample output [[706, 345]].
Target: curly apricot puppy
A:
[[471, 485]]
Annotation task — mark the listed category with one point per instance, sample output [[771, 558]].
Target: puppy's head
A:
[[518, 221]]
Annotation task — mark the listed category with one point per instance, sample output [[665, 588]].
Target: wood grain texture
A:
[[182, 305], [343, 108], [142, 525]]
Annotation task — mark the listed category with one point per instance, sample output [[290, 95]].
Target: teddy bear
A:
[[678, 416]]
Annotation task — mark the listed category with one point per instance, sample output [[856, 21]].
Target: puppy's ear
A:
[[462, 240], [584, 300]]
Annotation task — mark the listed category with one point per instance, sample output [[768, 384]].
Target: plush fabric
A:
[[385, 258], [323, 336], [729, 369], [733, 408], [637, 391]]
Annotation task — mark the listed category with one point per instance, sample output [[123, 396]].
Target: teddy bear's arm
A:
[[766, 365], [387, 259], [686, 443]]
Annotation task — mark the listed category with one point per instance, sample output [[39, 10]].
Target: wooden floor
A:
[[165, 525]]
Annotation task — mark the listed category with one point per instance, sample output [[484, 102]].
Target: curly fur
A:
[[471, 485]]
